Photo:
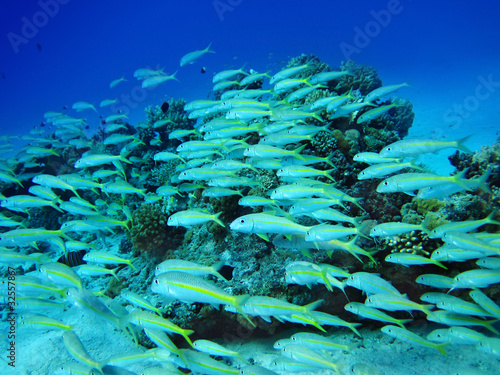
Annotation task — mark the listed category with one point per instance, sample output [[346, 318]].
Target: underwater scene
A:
[[249, 187]]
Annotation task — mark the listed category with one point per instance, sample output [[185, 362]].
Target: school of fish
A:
[[216, 156]]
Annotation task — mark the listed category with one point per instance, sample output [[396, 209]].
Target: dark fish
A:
[[42, 124], [39, 47], [203, 70], [64, 107], [164, 107], [103, 122], [73, 258]]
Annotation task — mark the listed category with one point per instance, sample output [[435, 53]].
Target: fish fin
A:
[[217, 220], [306, 253], [208, 50], [313, 305], [352, 327], [238, 301], [460, 177], [297, 152], [263, 236], [265, 318], [401, 322], [462, 147], [439, 264]]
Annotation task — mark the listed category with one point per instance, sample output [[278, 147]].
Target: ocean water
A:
[[54, 53]]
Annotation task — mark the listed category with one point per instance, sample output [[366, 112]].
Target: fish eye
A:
[[156, 281], [242, 221], [389, 149], [386, 183]]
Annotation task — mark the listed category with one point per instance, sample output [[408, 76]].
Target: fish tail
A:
[[460, 177], [297, 152], [317, 116], [208, 50], [53, 205], [324, 277], [130, 263], [353, 326], [401, 322], [312, 306], [439, 264], [216, 267], [328, 174], [185, 333], [426, 309], [328, 159], [237, 302], [462, 147], [440, 347], [414, 165], [217, 220], [114, 274], [490, 219], [489, 325]]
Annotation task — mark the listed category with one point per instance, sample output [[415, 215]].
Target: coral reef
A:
[[365, 78], [149, 231]]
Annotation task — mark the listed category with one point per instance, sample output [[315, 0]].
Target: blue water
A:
[[55, 54]]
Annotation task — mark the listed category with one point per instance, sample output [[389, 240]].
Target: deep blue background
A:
[[89, 43]]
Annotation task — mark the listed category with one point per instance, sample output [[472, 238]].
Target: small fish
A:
[[77, 350], [435, 281], [383, 169], [189, 218], [189, 289], [309, 357], [99, 159], [374, 314], [392, 302], [157, 80], [212, 348], [94, 270], [409, 182], [189, 267], [395, 229], [82, 106], [38, 321], [314, 341], [107, 102], [463, 226], [373, 158], [415, 147], [116, 82], [383, 91], [103, 257], [476, 278], [286, 73], [61, 275], [139, 301], [485, 302], [411, 338], [192, 57], [407, 259], [261, 224], [454, 319], [371, 283], [226, 74]]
